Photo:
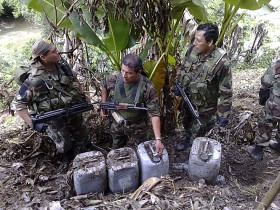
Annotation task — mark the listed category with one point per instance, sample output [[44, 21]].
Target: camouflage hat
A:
[[40, 47]]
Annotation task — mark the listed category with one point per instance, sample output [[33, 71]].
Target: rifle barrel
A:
[[188, 102]]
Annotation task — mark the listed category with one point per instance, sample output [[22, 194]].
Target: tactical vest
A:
[[50, 93], [196, 77], [132, 94]]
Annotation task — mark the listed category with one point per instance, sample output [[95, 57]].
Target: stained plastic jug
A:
[[90, 174], [123, 170], [152, 164], [204, 160]]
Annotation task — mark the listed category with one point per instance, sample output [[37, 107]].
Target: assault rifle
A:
[[64, 112], [194, 112], [116, 106]]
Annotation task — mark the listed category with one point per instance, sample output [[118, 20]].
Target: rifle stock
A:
[[194, 112]]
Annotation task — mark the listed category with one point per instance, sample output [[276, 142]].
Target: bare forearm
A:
[[156, 126], [104, 94]]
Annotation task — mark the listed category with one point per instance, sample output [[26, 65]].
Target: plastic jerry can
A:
[[204, 160], [90, 174], [123, 170], [152, 164]]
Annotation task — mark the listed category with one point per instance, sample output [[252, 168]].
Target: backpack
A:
[[21, 74]]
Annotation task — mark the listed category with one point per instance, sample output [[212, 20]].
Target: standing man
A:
[[130, 86], [52, 85], [270, 115], [207, 80]]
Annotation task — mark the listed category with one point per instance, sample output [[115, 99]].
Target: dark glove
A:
[[223, 122], [176, 91], [40, 127]]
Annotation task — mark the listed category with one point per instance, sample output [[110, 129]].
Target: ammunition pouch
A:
[[263, 95], [199, 93]]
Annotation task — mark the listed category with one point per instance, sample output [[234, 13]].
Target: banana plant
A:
[[166, 45], [231, 7], [60, 14]]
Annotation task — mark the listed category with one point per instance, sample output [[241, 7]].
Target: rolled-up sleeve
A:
[[151, 100]]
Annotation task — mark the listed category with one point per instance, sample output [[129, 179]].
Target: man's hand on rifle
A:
[[40, 127]]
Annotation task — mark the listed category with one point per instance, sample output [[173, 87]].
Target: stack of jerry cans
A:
[[204, 160], [89, 173], [152, 164], [123, 170]]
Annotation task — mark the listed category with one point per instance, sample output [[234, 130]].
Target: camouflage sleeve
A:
[[268, 78], [151, 99], [225, 88], [24, 96], [109, 82]]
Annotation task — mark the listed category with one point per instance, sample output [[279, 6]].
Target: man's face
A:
[[200, 43], [129, 75], [52, 56]]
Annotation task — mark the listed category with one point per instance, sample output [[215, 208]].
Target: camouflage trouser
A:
[[192, 128], [70, 133], [266, 125], [137, 131]]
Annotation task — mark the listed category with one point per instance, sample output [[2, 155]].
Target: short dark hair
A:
[[211, 31], [133, 61]]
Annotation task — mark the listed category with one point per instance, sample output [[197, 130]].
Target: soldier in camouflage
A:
[[130, 86], [270, 115], [52, 85], [207, 80]]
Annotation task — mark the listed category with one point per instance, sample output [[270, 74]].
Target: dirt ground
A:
[[30, 175]]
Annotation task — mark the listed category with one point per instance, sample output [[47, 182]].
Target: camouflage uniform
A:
[[136, 122], [270, 115], [45, 91], [207, 81]]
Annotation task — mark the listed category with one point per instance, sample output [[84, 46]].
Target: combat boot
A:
[[184, 144], [256, 152], [275, 146]]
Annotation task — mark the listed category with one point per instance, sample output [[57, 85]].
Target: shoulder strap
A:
[[139, 88]]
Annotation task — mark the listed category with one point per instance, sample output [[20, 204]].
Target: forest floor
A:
[[30, 176]]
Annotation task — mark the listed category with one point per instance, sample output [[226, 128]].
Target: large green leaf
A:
[[196, 9], [144, 53], [118, 36], [53, 9], [248, 4], [158, 77], [34, 4], [84, 31]]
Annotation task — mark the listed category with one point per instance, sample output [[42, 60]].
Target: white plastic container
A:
[[90, 173], [204, 160], [152, 164], [123, 170]]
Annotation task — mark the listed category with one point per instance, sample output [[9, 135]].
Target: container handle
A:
[[156, 156], [123, 158], [204, 156]]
